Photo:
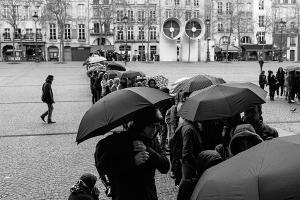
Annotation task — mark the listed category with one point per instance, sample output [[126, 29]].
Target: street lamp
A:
[[35, 19], [125, 20], [257, 39], [207, 22], [282, 25]]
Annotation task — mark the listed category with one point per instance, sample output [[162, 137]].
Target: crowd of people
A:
[[282, 83], [127, 166]]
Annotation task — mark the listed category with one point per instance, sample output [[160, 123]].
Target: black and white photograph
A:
[[149, 99]]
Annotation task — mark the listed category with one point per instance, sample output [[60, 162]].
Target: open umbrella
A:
[[161, 81], [113, 74], [197, 83], [117, 108], [132, 74], [96, 59], [115, 66], [221, 101], [267, 171], [292, 68]]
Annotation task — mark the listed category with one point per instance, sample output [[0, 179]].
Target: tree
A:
[[57, 10], [11, 15]]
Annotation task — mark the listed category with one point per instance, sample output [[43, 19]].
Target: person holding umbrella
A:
[[132, 158]]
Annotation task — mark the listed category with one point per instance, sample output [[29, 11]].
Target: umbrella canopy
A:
[[267, 171], [117, 108], [180, 80], [96, 59], [292, 68], [113, 74], [197, 83], [115, 66], [161, 81], [221, 101], [132, 74]]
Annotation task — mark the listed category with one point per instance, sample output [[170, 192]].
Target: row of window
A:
[[141, 15], [52, 32], [141, 33], [286, 1], [28, 11]]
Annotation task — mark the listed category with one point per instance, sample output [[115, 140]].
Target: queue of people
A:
[[284, 84], [127, 160]]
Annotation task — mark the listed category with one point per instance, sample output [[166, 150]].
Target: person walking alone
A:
[[47, 97], [261, 63], [280, 76]]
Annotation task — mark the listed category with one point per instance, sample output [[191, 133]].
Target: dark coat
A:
[[261, 62], [280, 78], [272, 82], [262, 79], [129, 181], [191, 147], [47, 95]]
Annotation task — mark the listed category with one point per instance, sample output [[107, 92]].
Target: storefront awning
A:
[[223, 48], [258, 47]]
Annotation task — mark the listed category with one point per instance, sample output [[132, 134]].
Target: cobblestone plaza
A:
[[41, 161]]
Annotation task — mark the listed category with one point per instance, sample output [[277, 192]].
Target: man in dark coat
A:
[[131, 158], [47, 97]]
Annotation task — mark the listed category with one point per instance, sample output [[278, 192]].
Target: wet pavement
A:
[[41, 161]]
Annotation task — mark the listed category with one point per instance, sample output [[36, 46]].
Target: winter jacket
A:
[[191, 147], [263, 80], [280, 78], [265, 131], [272, 82], [129, 181], [80, 191], [47, 95]]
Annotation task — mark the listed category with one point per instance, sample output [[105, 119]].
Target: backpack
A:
[[101, 157]]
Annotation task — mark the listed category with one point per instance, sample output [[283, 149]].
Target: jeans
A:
[[48, 112]]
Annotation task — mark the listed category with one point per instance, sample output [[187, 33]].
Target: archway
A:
[[4, 51], [53, 53], [101, 41]]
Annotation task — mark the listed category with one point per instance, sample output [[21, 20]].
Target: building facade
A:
[[246, 29]]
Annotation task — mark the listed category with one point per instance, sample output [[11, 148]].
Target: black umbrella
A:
[[221, 101], [118, 108], [197, 83], [115, 66]]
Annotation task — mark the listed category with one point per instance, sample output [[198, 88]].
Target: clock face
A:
[[171, 28], [193, 28]]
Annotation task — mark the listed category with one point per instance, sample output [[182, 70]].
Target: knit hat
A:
[[207, 159], [243, 140], [50, 77], [89, 179], [243, 127]]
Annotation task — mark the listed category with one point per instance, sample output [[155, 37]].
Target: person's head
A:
[[243, 140], [110, 82], [151, 83], [207, 159], [100, 75], [49, 78], [146, 123], [89, 179], [105, 76], [270, 72], [262, 72], [116, 81], [252, 115], [280, 69], [139, 84]]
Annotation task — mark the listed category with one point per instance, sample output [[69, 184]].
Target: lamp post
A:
[[257, 39], [35, 18], [207, 22], [125, 20], [282, 25]]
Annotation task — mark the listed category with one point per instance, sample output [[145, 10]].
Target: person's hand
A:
[[139, 146], [141, 157]]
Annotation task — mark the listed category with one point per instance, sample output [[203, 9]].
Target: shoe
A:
[[51, 122], [43, 118]]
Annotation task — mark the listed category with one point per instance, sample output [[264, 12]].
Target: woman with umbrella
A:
[[132, 158]]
